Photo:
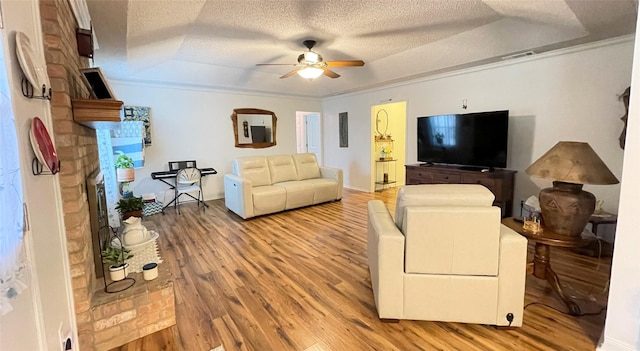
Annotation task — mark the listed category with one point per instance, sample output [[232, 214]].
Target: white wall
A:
[[48, 305], [566, 95], [622, 328], [191, 123]]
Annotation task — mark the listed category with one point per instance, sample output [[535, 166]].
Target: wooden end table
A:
[[540, 267]]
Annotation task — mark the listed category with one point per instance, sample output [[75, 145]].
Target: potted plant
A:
[[130, 207], [115, 257], [124, 168]]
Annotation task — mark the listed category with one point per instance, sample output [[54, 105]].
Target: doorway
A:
[[388, 145], [308, 138]]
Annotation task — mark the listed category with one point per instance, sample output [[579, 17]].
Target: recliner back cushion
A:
[[282, 168], [307, 166], [254, 168], [441, 195], [460, 240]]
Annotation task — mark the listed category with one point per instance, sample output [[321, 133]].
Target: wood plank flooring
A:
[[299, 280]]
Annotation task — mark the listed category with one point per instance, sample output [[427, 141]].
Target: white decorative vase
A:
[[134, 232], [118, 273]]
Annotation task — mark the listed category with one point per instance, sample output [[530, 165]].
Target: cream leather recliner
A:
[[446, 257]]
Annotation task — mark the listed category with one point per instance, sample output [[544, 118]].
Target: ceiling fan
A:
[[311, 65]]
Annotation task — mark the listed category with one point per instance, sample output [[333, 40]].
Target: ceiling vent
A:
[[518, 55]]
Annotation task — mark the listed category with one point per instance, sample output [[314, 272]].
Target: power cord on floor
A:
[[589, 294], [602, 309]]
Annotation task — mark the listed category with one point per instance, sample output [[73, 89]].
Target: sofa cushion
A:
[[307, 166], [441, 195], [282, 168], [323, 189], [298, 193], [268, 199], [254, 168]]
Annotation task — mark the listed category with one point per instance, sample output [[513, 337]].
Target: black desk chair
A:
[[178, 165]]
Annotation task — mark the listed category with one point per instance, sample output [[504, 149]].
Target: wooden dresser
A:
[[499, 181]]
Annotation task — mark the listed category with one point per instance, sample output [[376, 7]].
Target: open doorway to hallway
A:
[[308, 138], [388, 145]]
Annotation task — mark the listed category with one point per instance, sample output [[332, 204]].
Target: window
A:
[[11, 200]]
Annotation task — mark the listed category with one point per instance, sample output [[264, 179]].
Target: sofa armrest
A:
[[512, 272], [238, 195], [385, 252], [333, 173]]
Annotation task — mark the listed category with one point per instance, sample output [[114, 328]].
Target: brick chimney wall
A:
[[104, 320], [77, 150]]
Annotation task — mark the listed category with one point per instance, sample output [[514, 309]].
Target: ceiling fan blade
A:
[[347, 63], [290, 74], [275, 64], [329, 73]]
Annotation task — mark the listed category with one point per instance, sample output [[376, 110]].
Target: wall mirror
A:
[[254, 128]]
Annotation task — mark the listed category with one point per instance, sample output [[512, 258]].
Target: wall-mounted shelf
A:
[[97, 114]]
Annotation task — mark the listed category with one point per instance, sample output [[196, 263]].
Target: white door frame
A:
[[301, 133]]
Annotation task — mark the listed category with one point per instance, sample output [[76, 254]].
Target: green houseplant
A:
[[124, 168], [115, 257], [130, 207]]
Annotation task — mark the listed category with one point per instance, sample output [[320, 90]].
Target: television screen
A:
[[258, 134], [473, 139]]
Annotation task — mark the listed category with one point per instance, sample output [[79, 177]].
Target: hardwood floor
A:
[[299, 280]]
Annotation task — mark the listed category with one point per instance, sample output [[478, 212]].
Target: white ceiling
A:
[[217, 44]]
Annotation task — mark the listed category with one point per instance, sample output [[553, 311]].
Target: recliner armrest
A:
[[238, 195], [385, 251], [512, 271], [333, 173]]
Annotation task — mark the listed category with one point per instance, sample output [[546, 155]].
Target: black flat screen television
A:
[[258, 134], [473, 139]]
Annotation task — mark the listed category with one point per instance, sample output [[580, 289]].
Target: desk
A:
[[541, 265], [164, 175]]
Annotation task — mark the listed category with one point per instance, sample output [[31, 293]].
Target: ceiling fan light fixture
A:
[[311, 57], [310, 72]]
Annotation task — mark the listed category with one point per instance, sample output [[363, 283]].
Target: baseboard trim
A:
[[610, 344]]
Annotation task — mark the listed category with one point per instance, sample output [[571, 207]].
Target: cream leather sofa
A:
[[446, 257], [266, 184]]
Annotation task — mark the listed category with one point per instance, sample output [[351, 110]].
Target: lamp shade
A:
[[572, 162]]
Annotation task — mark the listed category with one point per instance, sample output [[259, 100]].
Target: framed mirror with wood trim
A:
[[254, 128]]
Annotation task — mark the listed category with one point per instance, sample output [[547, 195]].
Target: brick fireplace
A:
[[104, 320]]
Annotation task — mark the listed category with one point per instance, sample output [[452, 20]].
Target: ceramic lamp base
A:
[[566, 208]]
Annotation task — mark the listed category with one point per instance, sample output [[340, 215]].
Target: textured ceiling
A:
[[217, 44]]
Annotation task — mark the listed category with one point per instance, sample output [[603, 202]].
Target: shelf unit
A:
[[385, 174], [385, 164]]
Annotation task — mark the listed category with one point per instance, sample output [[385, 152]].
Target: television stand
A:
[[477, 169], [499, 181]]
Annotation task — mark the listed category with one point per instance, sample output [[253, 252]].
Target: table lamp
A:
[[565, 207]]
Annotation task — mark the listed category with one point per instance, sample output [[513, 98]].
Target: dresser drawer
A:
[[495, 185], [445, 178], [419, 177]]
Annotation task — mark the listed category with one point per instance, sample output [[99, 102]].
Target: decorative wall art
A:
[[343, 126], [143, 114]]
